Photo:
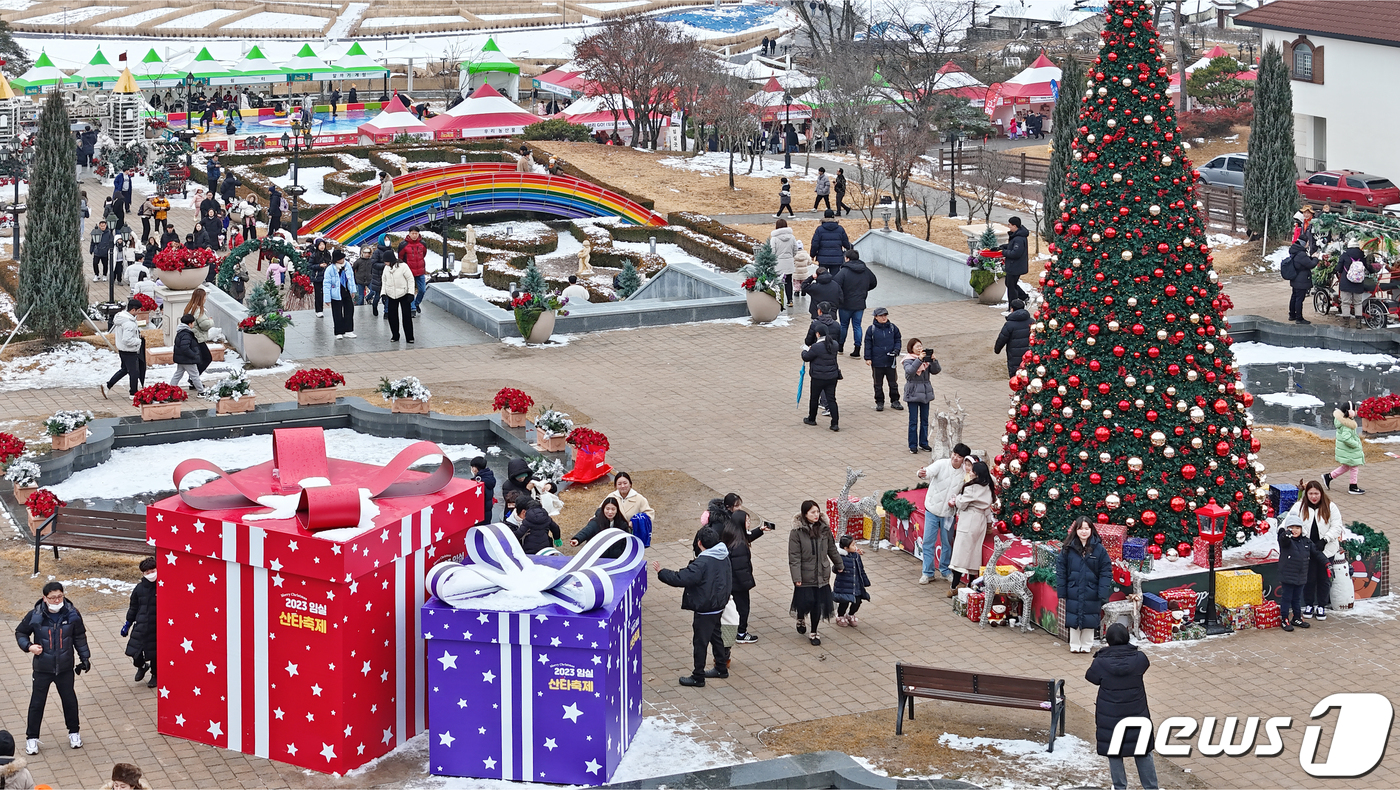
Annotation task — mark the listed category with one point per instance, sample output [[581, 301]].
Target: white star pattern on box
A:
[[488, 676], [199, 525], [213, 579], [347, 730], [278, 713], [544, 658], [291, 669], [554, 642], [330, 595], [481, 731], [592, 766], [353, 587], [450, 506], [489, 762], [383, 537], [277, 580], [327, 751], [461, 703], [364, 670], [164, 693], [180, 719], [196, 691], [292, 545], [210, 666], [335, 548], [446, 739], [174, 530], [191, 587], [276, 564], [571, 712], [187, 644], [539, 618], [360, 749], [215, 729], [388, 735], [467, 635], [310, 717], [483, 618], [292, 749], [448, 661], [315, 690], [383, 676], [160, 517], [438, 536], [597, 660]]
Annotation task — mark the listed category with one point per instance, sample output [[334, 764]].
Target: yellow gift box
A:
[[868, 528], [1002, 570], [1238, 588]]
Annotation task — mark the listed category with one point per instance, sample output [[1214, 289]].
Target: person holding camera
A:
[[919, 365], [54, 633], [737, 536]]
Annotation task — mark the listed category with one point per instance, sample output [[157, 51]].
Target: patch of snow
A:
[[1387, 608], [69, 365], [715, 163], [529, 229], [616, 6], [410, 21], [280, 20], [1222, 241], [114, 479], [71, 15], [199, 19], [671, 253], [1027, 760], [1251, 353], [100, 585], [555, 341], [781, 320], [476, 287], [499, 17], [1296, 400], [16, 5], [137, 19], [1275, 258], [7, 307], [347, 19], [312, 179], [1383, 440]]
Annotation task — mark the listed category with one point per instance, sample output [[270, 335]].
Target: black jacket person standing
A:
[[141, 623], [54, 633], [707, 581], [1015, 336], [1016, 261]]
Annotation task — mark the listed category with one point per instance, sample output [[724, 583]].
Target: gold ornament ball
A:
[[1039, 508], [1112, 501], [1169, 452], [1135, 464], [1127, 255], [1153, 493], [1158, 438]]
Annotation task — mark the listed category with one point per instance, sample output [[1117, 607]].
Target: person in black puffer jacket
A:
[[1297, 269], [820, 289], [882, 344], [376, 276], [1354, 293], [829, 241], [1084, 580], [141, 622], [517, 478], [1294, 551], [825, 313], [1016, 261], [54, 633], [708, 582], [1015, 336], [850, 587], [737, 536], [825, 372], [483, 474], [856, 281], [186, 354], [1117, 670], [537, 531], [607, 516]]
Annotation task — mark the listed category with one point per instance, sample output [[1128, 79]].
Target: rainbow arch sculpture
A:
[[477, 187]]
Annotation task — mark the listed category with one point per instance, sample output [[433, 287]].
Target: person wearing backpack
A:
[[1297, 269], [1353, 271]]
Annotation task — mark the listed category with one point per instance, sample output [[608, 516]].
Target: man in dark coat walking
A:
[[54, 633], [829, 241], [1015, 336], [1015, 261], [1117, 670], [856, 281], [707, 580], [141, 623], [882, 345], [822, 289], [1297, 270]]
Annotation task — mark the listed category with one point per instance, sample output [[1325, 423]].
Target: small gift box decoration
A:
[[1134, 548], [975, 602], [1199, 547], [1237, 588], [1154, 602], [1267, 615], [1113, 536], [1238, 617], [1282, 497], [1157, 625], [1047, 553]]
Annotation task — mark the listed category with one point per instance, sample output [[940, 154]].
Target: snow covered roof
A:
[[952, 76], [485, 113]]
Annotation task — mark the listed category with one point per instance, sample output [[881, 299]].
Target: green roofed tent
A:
[[306, 66], [490, 67], [97, 73], [152, 72], [356, 64], [205, 68], [256, 69], [42, 77]]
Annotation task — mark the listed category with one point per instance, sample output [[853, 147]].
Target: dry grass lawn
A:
[[472, 398], [944, 230]]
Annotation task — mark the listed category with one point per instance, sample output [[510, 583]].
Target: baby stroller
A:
[[1326, 293], [1382, 303]]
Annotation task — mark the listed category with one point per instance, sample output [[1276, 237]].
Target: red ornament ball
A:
[[1159, 538], [1178, 504], [1188, 471], [1148, 517]]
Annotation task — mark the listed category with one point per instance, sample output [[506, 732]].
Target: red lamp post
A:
[[1210, 520]]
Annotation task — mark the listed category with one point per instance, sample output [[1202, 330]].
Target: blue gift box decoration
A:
[[1282, 498], [549, 694], [1150, 600], [1134, 548]]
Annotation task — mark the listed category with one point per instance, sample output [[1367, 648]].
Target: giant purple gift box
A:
[[544, 695]]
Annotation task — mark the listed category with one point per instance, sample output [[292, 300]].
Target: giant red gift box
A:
[[1113, 536], [1157, 625], [258, 652], [854, 526]]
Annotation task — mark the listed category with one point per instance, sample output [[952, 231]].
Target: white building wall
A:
[[1352, 100]]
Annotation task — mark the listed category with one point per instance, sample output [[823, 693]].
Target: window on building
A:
[[1303, 62]]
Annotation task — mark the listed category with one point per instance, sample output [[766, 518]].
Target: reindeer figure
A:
[[1012, 584], [1131, 606], [846, 509]]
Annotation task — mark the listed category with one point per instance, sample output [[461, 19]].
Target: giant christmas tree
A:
[[1128, 408]]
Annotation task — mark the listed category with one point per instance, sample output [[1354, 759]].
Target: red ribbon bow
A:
[[300, 453]]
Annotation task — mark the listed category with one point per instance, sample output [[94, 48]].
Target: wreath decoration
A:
[[299, 263]]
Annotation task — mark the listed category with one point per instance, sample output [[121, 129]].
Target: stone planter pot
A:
[[317, 397], [513, 419], [22, 493], [552, 444], [35, 522], [543, 328], [409, 406], [994, 293], [68, 441], [186, 280], [142, 315], [259, 351], [231, 406], [763, 308], [1386, 425], [160, 411]]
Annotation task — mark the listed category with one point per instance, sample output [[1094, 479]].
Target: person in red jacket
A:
[[414, 252]]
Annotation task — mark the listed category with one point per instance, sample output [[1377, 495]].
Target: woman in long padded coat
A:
[[1084, 580], [141, 621]]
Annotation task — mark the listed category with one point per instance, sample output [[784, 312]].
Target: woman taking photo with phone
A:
[[919, 365], [737, 536]]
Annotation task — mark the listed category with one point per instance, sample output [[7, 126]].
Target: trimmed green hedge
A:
[[527, 246], [700, 223]]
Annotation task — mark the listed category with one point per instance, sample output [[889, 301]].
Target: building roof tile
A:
[[1368, 21]]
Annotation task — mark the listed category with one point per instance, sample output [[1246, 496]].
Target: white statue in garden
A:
[[583, 256]]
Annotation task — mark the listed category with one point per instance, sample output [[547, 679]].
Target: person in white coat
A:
[[974, 508], [1322, 524], [784, 246], [398, 293], [126, 335], [944, 477]]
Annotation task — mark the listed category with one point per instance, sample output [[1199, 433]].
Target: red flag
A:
[[121, 56]]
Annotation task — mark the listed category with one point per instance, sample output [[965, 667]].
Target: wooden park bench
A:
[[1002, 691], [100, 530]]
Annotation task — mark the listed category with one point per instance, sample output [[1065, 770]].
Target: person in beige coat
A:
[[14, 771], [201, 326], [628, 499], [812, 556], [784, 246], [974, 506]]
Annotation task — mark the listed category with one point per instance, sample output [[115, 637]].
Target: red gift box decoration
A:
[[1157, 625], [975, 602], [1183, 598], [854, 526], [1113, 536], [259, 655], [1267, 615], [1199, 547]]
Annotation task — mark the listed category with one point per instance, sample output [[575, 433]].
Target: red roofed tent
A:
[[486, 113], [774, 109], [395, 119], [1035, 86]]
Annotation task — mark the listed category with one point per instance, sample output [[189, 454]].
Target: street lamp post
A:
[[787, 124], [298, 140], [954, 145], [16, 159], [189, 110], [444, 205], [110, 308], [1210, 521]]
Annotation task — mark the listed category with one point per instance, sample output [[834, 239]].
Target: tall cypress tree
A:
[[51, 267], [1130, 409], [1270, 196], [1063, 123]]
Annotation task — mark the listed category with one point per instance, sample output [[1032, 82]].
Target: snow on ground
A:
[[1074, 761], [278, 20], [7, 305], [137, 19], [616, 6], [716, 163], [401, 21], [71, 16], [84, 365], [199, 19], [499, 17], [1251, 353], [346, 20], [312, 179], [1220, 241], [1386, 608], [114, 479], [671, 253], [99, 584], [1294, 400], [556, 340]]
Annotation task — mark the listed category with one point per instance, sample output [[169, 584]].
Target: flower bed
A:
[[588, 439], [1380, 414], [158, 393], [67, 429], [512, 399], [147, 303], [42, 504], [235, 394], [553, 427], [178, 259], [313, 379], [11, 447], [406, 395], [23, 474]]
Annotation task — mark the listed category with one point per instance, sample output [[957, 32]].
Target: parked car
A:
[[1349, 187], [1224, 171]]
